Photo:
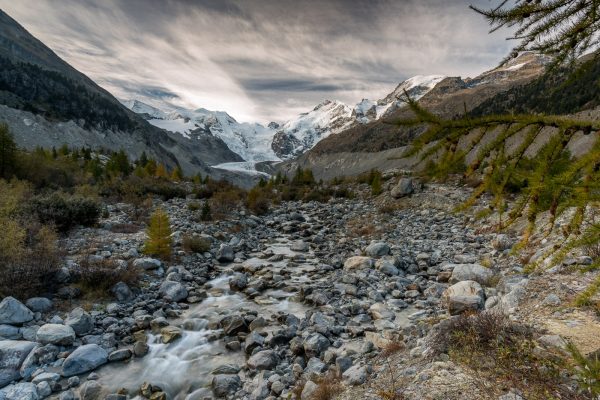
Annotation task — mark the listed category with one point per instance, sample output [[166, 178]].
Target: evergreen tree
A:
[[376, 188], [143, 159], [177, 174], [8, 152], [159, 235], [161, 172], [205, 214], [118, 164]]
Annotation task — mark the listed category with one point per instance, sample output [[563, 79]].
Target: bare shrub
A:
[[96, 278], [195, 244], [125, 228]]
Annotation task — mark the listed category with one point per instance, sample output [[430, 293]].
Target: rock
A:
[[46, 377], [226, 385], [10, 332], [21, 391], [12, 355], [147, 263], [13, 312], [91, 390], [553, 341], [464, 296], [227, 369], [85, 358], [170, 334], [470, 272], [122, 292], [233, 324], [43, 389], [120, 355], [356, 375], [174, 291], [263, 360], [253, 340], [315, 366], [403, 188], [238, 282], [300, 246], [39, 304], [358, 262], [315, 344], [225, 253], [377, 249], [309, 389], [67, 395], [551, 300], [343, 363], [57, 334], [501, 242], [140, 348], [81, 322]]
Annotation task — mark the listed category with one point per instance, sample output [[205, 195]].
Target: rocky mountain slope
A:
[[46, 102]]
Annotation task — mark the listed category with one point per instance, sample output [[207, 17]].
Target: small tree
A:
[[205, 214], [376, 184], [8, 151], [159, 235]]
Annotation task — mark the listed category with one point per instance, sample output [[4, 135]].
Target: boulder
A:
[[263, 360], [81, 322], [120, 355], [238, 282], [253, 340], [355, 375], [13, 312], [470, 272], [122, 292], [300, 246], [39, 304], [20, 391], [147, 263], [170, 334], [377, 249], [10, 332], [57, 334], [91, 390], [358, 262], [12, 355], [84, 359], [174, 291], [315, 344], [309, 389], [225, 253], [226, 385], [403, 188], [233, 324], [464, 296]]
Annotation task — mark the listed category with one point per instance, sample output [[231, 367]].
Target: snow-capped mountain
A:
[[256, 143]]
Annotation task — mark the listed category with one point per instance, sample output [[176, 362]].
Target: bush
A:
[[195, 244], [257, 201], [64, 212], [97, 278], [205, 214], [159, 235]]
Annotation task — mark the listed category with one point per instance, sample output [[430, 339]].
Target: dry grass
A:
[[95, 279], [391, 383], [328, 388], [125, 228]]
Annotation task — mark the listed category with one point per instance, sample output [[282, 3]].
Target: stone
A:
[[226, 369], [84, 359], [43, 389], [233, 324], [225, 385], [238, 282], [470, 272], [356, 375], [10, 332], [81, 322], [140, 348], [300, 246], [174, 291], [377, 249], [91, 390], [147, 263], [309, 389], [120, 355], [501, 242], [315, 366], [403, 188], [39, 304], [253, 340], [464, 296], [358, 263], [122, 292], [551, 300], [12, 355], [67, 395], [62, 335], [553, 341], [343, 363], [225, 253], [46, 377], [21, 391], [170, 334], [263, 360], [315, 344], [13, 312]]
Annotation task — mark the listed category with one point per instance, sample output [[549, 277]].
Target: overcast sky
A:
[[261, 60]]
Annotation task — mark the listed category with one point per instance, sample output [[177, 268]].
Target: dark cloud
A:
[[261, 59]]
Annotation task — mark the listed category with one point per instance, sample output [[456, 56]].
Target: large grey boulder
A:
[[403, 188], [81, 322], [84, 359], [122, 291], [13, 312], [315, 344], [56, 334], [464, 296], [377, 249], [263, 360], [91, 390], [225, 253], [226, 385], [12, 355], [356, 375], [20, 391], [174, 291], [358, 262], [147, 263], [39, 304], [300, 246], [470, 272]]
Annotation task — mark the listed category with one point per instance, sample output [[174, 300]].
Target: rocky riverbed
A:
[[277, 303]]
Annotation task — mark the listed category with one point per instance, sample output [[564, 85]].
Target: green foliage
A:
[[588, 371], [64, 211], [159, 241], [118, 164], [303, 177], [564, 29], [8, 152]]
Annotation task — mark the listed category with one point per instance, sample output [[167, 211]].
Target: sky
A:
[[262, 60]]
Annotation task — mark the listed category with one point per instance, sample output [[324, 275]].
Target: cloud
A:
[[261, 60]]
